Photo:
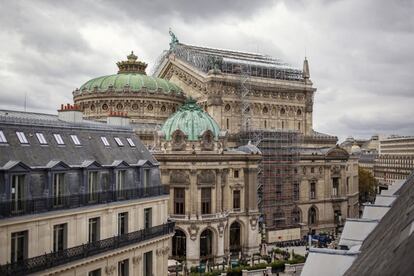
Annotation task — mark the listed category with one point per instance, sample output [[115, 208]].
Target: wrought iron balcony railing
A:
[[66, 256], [19, 207]]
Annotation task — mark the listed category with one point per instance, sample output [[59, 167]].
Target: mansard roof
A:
[[91, 148]]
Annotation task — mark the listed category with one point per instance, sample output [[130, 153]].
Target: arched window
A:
[[299, 112], [227, 107], [235, 237], [282, 111], [179, 244], [206, 244], [265, 110], [312, 216]]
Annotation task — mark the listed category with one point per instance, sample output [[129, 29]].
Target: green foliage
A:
[[367, 185]]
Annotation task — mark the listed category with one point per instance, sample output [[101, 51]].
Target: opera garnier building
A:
[[228, 134]]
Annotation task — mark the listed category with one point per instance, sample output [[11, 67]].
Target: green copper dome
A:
[[191, 120], [135, 82], [131, 75]]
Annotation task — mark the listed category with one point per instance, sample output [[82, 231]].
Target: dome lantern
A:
[[132, 65]]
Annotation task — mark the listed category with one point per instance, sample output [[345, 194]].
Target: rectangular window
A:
[[2, 137], [205, 201], [19, 246], [94, 229], [118, 141], [60, 237], [312, 190], [236, 173], [147, 218], [123, 268], [58, 139], [93, 186], [22, 138], [130, 142], [295, 191], [146, 177], [17, 193], [120, 182], [179, 201], [335, 186], [105, 141], [75, 140], [96, 272], [148, 264], [58, 189], [41, 138], [236, 200], [122, 223]]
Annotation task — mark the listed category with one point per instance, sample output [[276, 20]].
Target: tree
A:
[[367, 185]]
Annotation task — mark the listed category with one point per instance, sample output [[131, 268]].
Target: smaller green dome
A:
[[191, 120]]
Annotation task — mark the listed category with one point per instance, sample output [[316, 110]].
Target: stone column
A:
[[194, 193], [219, 203]]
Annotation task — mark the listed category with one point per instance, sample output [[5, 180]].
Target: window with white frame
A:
[[118, 141], [58, 139], [2, 137], [105, 141], [130, 142], [75, 140], [22, 137], [41, 138]]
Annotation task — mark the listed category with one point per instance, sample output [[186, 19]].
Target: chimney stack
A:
[[118, 118], [70, 113]]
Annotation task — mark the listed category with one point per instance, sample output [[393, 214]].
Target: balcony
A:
[[13, 208], [62, 257]]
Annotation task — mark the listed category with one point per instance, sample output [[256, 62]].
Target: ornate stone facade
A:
[[212, 191]]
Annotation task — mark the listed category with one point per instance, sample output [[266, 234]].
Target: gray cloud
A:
[[360, 52]]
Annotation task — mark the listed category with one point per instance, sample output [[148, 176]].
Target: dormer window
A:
[[119, 142], [105, 141], [58, 139], [130, 142], [22, 137], [2, 137], [75, 140], [41, 138]]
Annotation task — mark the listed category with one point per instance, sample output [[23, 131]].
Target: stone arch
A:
[[312, 215], [208, 243], [235, 237], [179, 244]]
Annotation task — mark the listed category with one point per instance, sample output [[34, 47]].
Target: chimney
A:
[[118, 118], [70, 113]]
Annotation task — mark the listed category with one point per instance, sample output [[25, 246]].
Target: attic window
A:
[[75, 140], [105, 141], [2, 137], [58, 139], [119, 142], [130, 142], [41, 138], [22, 137]]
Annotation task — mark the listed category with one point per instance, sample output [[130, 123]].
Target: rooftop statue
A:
[[174, 39]]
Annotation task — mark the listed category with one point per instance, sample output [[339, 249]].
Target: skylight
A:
[[22, 137], [58, 139], [105, 141], [2, 137], [130, 142], [119, 142], [75, 140], [41, 138]]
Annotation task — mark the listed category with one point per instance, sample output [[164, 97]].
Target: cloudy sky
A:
[[361, 53]]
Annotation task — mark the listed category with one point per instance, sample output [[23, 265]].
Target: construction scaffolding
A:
[[278, 188]]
